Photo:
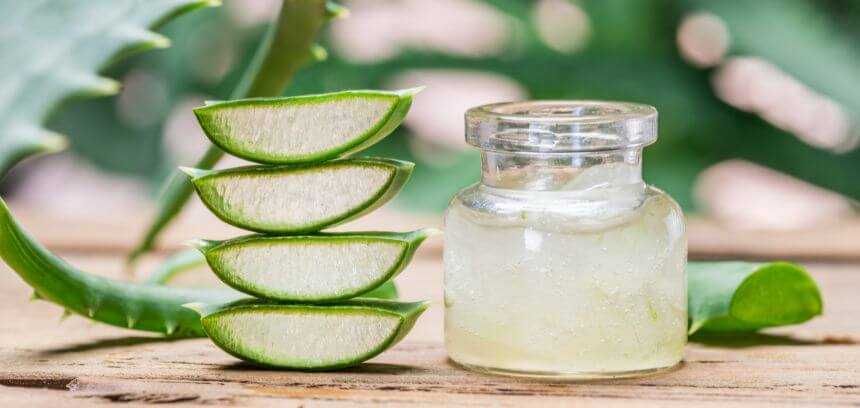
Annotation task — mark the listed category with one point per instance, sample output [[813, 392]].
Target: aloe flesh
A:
[[305, 128], [299, 199], [308, 337], [285, 48], [323, 267]]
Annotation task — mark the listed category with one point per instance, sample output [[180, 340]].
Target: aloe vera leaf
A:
[[798, 37], [323, 267], [306, 128], [285, 48], [308, 337], [188, 260], [744, 296], [136, 306], [53, 51], [174, 266], [299, 199]]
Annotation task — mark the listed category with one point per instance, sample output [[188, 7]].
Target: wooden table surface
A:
[[46, 361]]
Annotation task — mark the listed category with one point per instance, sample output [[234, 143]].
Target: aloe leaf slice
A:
[[185, 261], [311, 268], [299, 199], [306, 128], [745, 296], [308, 337]]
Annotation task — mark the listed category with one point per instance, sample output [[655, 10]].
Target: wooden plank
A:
[[78, 363]]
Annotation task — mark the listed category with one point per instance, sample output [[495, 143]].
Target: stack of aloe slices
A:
[[312, 308]]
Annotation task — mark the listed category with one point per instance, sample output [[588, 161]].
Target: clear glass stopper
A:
[[561, 126]]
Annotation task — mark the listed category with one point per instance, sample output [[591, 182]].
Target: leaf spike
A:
[[410, 91], [35, 296], [130, 321], [157, 41], [142, 39], [695, 326], [193, 172], [318, 52], [429, 232], [198, 307], [91, 312], [65, 315], [169, 327], [53, 142], [335, 11], [201, 245], [94, 85]]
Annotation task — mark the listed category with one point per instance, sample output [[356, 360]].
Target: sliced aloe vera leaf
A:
[[307, 128], [308, 337], [299, 198], [184, 262], [311, 268]]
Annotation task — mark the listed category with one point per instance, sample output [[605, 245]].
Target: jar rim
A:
[[561, 126]]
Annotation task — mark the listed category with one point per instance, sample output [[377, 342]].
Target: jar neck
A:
[[571, 172]]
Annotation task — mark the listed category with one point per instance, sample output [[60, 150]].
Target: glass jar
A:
[[562, 262]]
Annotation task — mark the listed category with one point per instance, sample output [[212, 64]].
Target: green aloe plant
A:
[[53, 51], [148, 306]]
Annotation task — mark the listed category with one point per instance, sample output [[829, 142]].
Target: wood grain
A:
[[77, 363]]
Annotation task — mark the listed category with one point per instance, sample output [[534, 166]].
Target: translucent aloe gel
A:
[[562, 262]]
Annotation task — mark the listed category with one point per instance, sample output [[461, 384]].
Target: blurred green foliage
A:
[[631, 55]]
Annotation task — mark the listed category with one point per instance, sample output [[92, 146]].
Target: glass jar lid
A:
[[561, 126]]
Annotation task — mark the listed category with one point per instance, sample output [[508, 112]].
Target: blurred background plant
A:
[[759, 101]]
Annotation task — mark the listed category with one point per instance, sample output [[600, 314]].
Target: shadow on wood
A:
[[110, 343], [753, 339], [365, 368]]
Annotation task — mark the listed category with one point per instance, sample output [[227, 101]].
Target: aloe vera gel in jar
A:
[[561, 261]]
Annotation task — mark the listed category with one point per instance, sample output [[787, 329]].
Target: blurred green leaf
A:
[[631, 54], [53, 51], [797, 37]]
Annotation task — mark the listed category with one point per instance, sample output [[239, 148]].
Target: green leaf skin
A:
[[219, 322], [801, 39], [223, 258], [215, 119], [286, 48], [174, 266], [136, 306], [743, 296], [216, 189], [53, 51]]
